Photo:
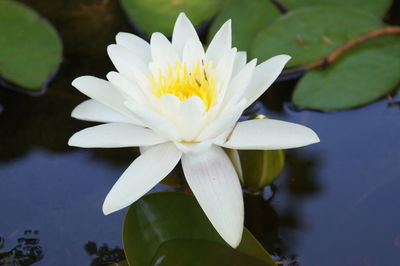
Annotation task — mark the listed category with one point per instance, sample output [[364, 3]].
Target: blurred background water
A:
[[336, 203]]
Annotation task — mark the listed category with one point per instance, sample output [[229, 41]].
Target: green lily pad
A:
[[196, 252], [248, 18], [30, 48], [160, 15], [311, 33], [160, 217], [261, 167], [364, 74], [375, 7]]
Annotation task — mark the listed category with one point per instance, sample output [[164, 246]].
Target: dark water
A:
[[337, 202]]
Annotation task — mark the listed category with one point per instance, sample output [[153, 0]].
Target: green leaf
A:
[[261, 168], [311, 33], [160, 217], [362, 75], [160, 15], [248, 18], [375, 7], [30, 48], [195, 252]]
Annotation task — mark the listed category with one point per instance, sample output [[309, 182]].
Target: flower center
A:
[[184, 83]]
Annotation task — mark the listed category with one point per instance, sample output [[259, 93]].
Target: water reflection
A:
[[104, 255], [26, 252], [265, 224]]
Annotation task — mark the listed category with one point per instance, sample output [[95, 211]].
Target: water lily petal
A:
[[156, 122], [135, 44], [162, 51], [264, 75], [141, 176], [269, 134], [114, 135], [190, 118], [194, 147], [225, 121], [223, 72], [126, 61], [92, 110], [183, 32], [240, 62], [168, 106], [192, 53], [216, 186], [235, 159], [127, 87], [104, 92], [239, 83], [220, 44]]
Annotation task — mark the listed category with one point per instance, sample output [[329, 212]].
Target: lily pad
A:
[[196, 252], [365, 74], [160, 217], [248, 18], [377, 8], [30, 48], [311, 33], [160, 15]]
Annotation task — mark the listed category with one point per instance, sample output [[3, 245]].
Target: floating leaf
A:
[[248, 18], [377, 8], [183, 252], [30, 48], [311, 33], [362, 75], [160, 217], [160, 15]]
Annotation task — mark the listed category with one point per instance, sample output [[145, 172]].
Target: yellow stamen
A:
[[184, 84]]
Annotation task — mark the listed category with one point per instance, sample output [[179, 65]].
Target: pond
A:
[[336, 203]]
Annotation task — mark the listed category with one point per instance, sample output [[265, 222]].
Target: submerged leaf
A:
[[311, 33], [362, 75], [160, 217], [30, 48]]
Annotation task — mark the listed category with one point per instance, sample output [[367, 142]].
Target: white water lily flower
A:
[[183, 103]]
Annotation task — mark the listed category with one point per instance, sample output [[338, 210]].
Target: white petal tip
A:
[[71, 141], [182, 15], [286, 57], [314, 137], [234, 239], [111, 48], [121, 35], [109, 206], [78, 81], [107, 210]]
